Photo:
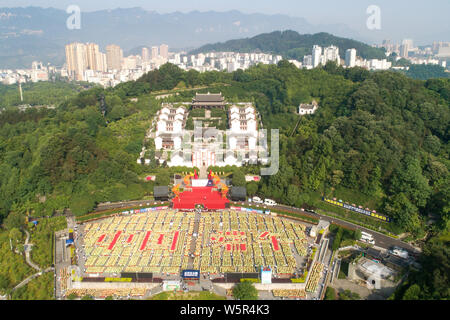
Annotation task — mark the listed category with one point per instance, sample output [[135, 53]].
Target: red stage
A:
[[205, 196]]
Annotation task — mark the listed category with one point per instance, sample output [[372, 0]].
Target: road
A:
[[27, 248]]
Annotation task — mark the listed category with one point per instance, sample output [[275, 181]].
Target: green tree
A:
[[330, 294], [16, 236], [14, 220], [349, 295], [82, 203], [412, 293], [3, 283], [163, 179], [72, 296], [292, 193], [245, 291], [238, 178], [252, 188]]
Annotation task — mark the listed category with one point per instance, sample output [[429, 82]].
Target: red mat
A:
[[113, 243], [200, 195], [144, 243], [160, 239], [101, 238], [275, 244], [174, 241], [263, 235]]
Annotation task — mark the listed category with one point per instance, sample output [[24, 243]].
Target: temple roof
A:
[[209, 97]]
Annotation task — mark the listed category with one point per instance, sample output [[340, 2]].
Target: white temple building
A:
[[206, 146]]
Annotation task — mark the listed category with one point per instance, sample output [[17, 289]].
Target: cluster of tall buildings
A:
[[330, 53], [85, 62], [321, 56], [406, 49], [436, 54], [222, 61], [156, 52]]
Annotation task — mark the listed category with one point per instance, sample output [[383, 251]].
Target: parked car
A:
[[257, 200], [270, 202]]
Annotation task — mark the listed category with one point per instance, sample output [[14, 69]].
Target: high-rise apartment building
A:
[[407, 45], [350, 58], [94, 58], [316, 55], [155, 52], [77, 60], [404, 49], [145, 55], [114, 57], [164, 51], [331, 53]]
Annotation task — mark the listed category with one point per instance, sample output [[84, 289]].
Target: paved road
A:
[[27, 247], [381, 240]]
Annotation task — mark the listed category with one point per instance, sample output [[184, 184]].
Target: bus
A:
[[367, 237]]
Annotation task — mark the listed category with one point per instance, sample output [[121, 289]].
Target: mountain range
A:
[[34, 33]]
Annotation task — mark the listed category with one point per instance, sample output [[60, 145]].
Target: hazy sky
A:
[[401, 18]]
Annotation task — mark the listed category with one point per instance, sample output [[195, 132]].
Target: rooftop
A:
[[209, 97]]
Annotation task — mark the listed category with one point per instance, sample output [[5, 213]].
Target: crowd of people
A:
[[155, 241], [234, 241], [161, 242], [314, 277]]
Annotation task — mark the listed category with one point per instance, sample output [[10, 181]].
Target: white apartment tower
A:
[[331, 53], [316, 55], [350, 58]]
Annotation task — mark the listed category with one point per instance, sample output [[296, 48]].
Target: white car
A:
[[257, 200], [270, 202]]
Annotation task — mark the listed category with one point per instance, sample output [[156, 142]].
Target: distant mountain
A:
[[293, 45], [35, 33]]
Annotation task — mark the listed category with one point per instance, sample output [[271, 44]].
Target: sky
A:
[[426, 21]]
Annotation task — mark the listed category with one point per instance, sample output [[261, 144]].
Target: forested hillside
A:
[[290, 44], [378, 139], [39, 93]]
